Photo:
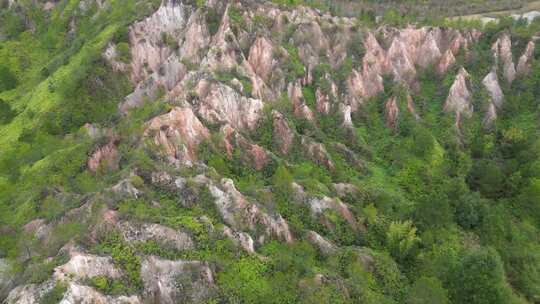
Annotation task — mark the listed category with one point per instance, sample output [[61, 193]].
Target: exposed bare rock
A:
[[85, 266], [391, 112], [37, 228], [490, 116], [171, 282], [283, 135], [446, 61], [111, 55], [319, 205], [317, 152], [344, 189], [491, 83], [224, 52], [502, 49], [345, 111], [429, 53], [401, 62], [261, 57], [351, 157], [148, 50], [76, 293], [301, 110], [524, 62], [125, 188], [411, 108], [256, 154], [323, 102], [196, 38], [169, 74], [164, 235], [6, 277], [106, 157], [178, 133], [458, 100], [324, 245], [240, 214], [29, 294], [242, 239], [221, 104]]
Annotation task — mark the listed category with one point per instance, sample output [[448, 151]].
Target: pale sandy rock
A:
[[111, 55], [261, 57], [148, 51], [317, 152], [125, 188], [178, 133], [256, 154], [164, 235], [86, 266], [458, 99], [29, 294], [171, 282], [196, 38], [300, 109], [446, 61], [391, 112], [80, 294], [524, 62], [325, 246], [242, 239], [491, 83], [241, 214], [429, 53], [345, 111], [345, 189], [502, 50], [323, 102], [106, 157], [283, 134], [490, 116], [221, 104], [319, 205], [401, 61]]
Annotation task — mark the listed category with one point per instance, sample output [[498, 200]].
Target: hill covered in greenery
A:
[[265, 152]]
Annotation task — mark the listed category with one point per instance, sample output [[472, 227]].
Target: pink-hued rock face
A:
[[221, 104], [317, 152], [502, 50], [283, 135], [178, 133], [261, 57], [106, 157], [458, 100], [301, 110], [491, 83], [446, 61], [524, 62], [391, 112], [148, 51], [256, 155]]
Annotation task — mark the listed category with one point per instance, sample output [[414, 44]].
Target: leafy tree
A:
[[427, 290], [7, 79], [401, 239], [480, 279]]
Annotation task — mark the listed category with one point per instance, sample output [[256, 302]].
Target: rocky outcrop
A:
[[391, 113], [165, 236], [319, 205], [106, 157], [148, 48], [317, 152], [491, 83], [324, 245], [195, 39], [283, 135], [300, 108], [178, 133], [179, 281], [458, 100], [29, 294], [490, 116], [85, 266], [220, 104], [241, 214], [261, 57], [241, 239], [446, 61], [111, 55], [254, 154], [524, 63], [502, 50], [76, 293]]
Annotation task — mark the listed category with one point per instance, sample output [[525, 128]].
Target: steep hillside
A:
[[250, 152]]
